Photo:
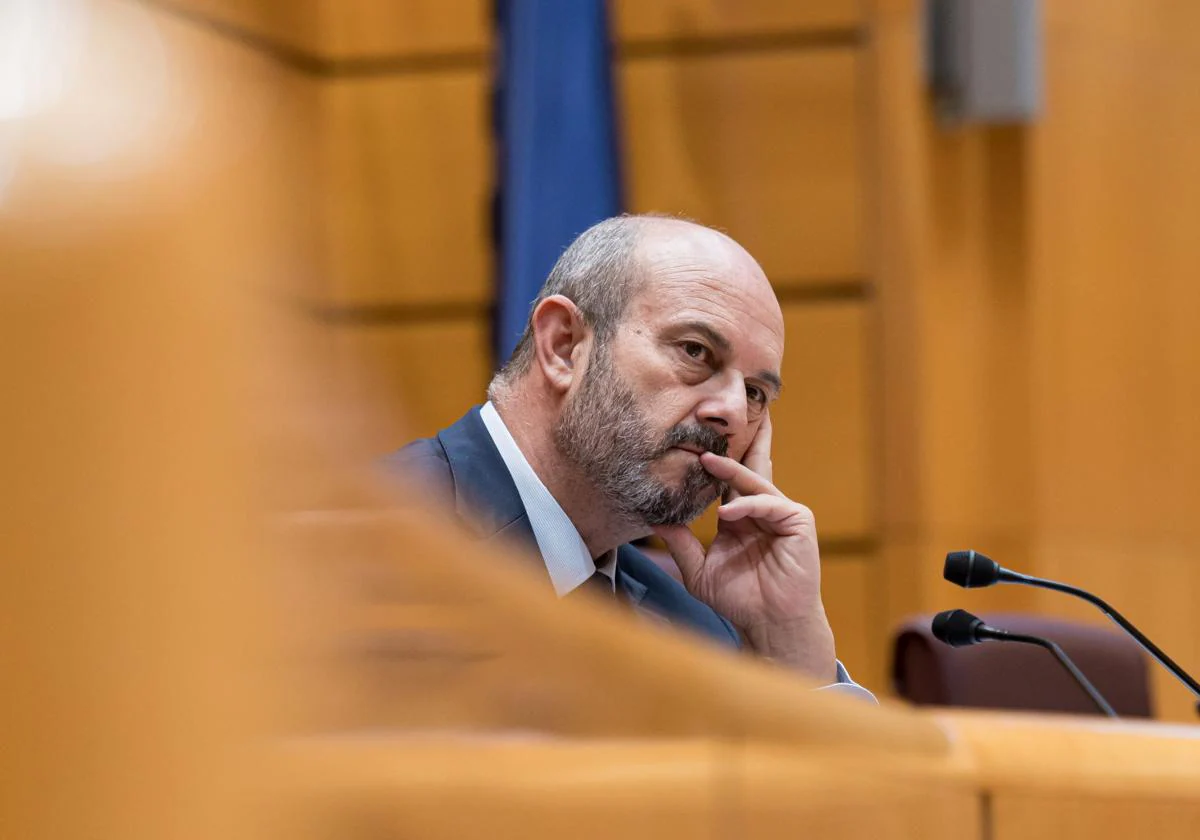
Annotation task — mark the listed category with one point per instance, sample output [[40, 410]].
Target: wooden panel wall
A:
[[402, 170], [762, 143], [1040, 381], [322, 35], [1115, 382], [686, 20], [404, 177], [283, 27], [409, 274], [384, 29], [408, 180], [950, 247], [424, 374]]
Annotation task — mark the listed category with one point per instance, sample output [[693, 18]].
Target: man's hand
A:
[[763, 570]]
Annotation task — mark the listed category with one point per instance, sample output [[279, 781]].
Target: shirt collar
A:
[[563, 550]]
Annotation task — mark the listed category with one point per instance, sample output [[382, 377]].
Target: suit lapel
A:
[[630, 577], [633, 589], [485, 496]]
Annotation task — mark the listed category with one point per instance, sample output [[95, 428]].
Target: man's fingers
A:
[[779, 514], [686, 550], [739, 477], [758, 456]]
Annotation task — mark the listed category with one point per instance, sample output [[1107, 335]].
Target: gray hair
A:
[[599, 272]]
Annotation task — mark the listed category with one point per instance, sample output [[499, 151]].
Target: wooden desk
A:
[[1042, 776]]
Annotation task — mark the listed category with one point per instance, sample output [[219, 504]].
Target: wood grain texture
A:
[[358, 29], [850, 590], [1050, 776], [765, 146], [1051, 815], [408, 181], [332, 32], [1117, 387], [822, 423], [293, 25], [1116, 295], [442, 787], [1021, 752], [952, 249], [425, 375], [675, 20], [917, 799]]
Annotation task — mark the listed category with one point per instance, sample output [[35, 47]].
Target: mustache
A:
[[701, 436]]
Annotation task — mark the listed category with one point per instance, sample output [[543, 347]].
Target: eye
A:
[[695, 350], [756, 394]]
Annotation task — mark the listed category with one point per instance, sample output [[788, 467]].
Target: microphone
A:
[[958, 628], [970, 570]]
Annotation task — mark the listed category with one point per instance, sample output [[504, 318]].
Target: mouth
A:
[[692, 448]]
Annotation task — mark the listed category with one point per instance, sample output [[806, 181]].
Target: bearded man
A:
[[638, 395]]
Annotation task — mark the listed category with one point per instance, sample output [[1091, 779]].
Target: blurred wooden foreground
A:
[[219, 622]]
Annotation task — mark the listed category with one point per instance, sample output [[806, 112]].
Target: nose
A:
[[725, 407]]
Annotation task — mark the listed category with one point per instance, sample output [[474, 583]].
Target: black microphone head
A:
[[956, 628], [970, 569]]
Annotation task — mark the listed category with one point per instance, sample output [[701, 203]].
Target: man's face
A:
[[606, 432], [692, 367]]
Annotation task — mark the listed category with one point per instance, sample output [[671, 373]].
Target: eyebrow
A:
[[722, 343], [773, 380]]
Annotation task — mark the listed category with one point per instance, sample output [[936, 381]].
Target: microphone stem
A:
[[1066, 662], [1147, 645]]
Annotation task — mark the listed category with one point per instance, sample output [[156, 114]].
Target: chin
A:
[[679, 498], [712, 499], [688, 512]]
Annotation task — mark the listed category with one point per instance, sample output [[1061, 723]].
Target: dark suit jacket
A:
[[463, 467]]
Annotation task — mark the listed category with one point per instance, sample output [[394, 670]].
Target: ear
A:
[[559, 335]]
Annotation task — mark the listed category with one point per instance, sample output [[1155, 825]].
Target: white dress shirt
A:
[[563, 550], [565, 553]]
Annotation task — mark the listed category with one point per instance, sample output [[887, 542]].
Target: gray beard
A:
[[603, 432]]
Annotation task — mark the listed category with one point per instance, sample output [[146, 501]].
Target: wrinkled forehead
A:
[[691, 272]]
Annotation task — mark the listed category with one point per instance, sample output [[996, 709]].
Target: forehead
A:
[[696, 275]]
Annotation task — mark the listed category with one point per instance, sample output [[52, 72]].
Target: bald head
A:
[[616, 260], [674, 254]]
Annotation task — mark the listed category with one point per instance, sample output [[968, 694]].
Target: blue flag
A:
[[556, 141]]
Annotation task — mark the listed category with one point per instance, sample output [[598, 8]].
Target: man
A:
[[639, 394]]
